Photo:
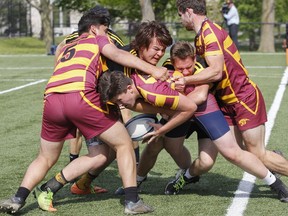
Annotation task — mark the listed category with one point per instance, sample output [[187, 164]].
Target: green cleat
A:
[[44, 199], [175, 186]]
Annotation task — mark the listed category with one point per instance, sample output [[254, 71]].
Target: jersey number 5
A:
[[68, 53]]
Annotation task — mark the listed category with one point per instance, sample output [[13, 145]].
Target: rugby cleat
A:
[[175, 186], [280, 188], [92, 190], [44, 199], [137, 208], [12, 205]]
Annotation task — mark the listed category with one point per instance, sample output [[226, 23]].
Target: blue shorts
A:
[[186, 129], [213, 123]]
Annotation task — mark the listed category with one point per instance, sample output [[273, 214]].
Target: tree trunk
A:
[[45, 13], [147, 10], [267, 29], [45, 10]]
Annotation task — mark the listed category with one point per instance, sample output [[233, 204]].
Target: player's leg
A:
[[238, 136], [75, 146], [207, 154], [48, 155], [147, 161], [148, 158], [180, 154], [219, 132], [96, 157], [126, 115], [83, 185], [253, 131], [254, 142], [247, 161], [118, 138]]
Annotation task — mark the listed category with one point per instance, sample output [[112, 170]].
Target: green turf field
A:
[[22, 83]]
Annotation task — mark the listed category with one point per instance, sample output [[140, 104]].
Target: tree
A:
[[45, 8], [147, 10], [250, 14], [267, 29]]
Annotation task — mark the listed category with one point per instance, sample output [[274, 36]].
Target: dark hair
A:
[[98, 9], [147, 31], [95, 16], [198, 6], [111, 84], [181, 50]]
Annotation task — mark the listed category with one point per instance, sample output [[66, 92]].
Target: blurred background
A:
[[42, 24]]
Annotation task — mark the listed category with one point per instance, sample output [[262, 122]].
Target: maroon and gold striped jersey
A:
[[78, 65], [235, 84], [116, 39], [156, 92]]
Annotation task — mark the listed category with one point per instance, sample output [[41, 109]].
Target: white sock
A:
[[269, 179], [140, 178], [187, 174]]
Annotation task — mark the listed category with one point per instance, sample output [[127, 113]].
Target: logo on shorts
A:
[[243, 122]]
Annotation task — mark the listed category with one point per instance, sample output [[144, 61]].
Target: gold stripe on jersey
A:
[[257, 99], [128, 70], [80, 60], [148, 79], [93, 105], [212, 39], [167, 62], [71, 37], [70, 87], [70, 75], [103, 63], [115, 38], [67, 75], [198, 68], [160, 99]]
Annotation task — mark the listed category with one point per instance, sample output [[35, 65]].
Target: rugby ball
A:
[[138, 126]]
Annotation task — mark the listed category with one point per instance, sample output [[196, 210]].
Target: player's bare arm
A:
[[200, 94], [210, 74], [126, 59]]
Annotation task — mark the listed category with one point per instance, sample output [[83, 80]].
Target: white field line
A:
[[240, 200], [22, 86]]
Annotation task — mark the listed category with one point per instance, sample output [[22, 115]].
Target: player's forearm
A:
[[127, 59], [206, 76], [176, 120]]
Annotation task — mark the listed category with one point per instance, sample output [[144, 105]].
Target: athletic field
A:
[[225, 190]]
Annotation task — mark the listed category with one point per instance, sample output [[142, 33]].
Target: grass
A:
[[20, 124]]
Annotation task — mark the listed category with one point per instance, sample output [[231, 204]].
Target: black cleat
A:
[[175, 186], [280, 188]]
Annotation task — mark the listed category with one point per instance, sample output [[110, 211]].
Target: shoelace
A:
[[179, 183]]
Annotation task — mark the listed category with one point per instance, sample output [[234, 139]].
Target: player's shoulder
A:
[[117, 40], [168, 64], [71, 37]]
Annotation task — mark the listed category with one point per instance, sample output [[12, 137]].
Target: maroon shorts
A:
[[248, 113], [63, 113]]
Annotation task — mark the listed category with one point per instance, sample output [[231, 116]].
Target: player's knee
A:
[[99, 161], [206, 163]]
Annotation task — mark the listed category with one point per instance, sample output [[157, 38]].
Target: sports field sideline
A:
[[219, 192]]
